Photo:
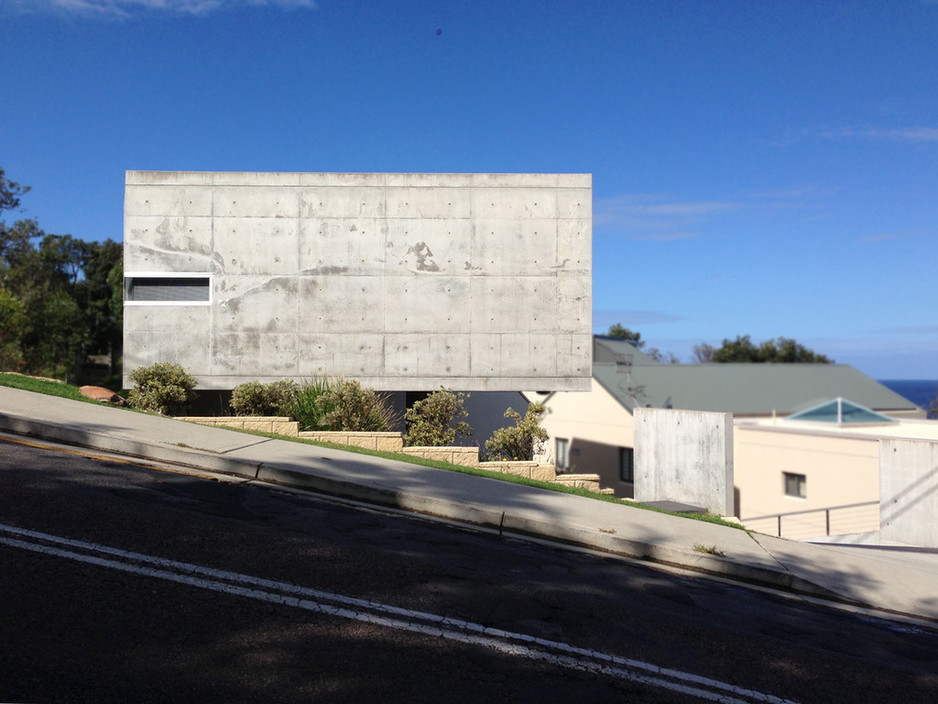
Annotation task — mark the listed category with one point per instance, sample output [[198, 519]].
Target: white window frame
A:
[[168, 275]]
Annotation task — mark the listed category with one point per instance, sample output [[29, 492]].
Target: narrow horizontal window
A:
[[167, 289]]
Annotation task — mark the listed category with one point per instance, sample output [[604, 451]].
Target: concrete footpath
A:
[[898, 580]]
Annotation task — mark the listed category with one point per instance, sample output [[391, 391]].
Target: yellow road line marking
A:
[[105, 458]]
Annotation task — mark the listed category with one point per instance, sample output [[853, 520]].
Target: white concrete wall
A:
[[403, 281], [684, 456], [908, 479]]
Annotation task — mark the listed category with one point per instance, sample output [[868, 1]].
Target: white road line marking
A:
[[280, 593]]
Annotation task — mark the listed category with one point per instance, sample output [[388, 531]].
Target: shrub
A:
[[342, 404], [310, 405], [163, 387], [255, 399], [521, 441], [434, 421]]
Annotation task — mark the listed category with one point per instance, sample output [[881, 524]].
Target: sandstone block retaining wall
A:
[[264, 424], [394, 442]]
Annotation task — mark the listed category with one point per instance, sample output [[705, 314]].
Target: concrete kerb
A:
[[506, 522], [464, 512], [382, 496], [154, 451], [684, 559]]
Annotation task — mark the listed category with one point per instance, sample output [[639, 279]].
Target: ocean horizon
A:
[[921, 392]]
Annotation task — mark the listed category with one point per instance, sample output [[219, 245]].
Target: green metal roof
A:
[[743, 389], [617, 350]]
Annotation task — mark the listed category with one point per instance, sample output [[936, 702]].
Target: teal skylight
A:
[[842, 412]]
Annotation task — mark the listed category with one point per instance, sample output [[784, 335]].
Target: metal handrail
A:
[[827, 514]]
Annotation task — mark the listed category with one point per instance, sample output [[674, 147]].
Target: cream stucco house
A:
[[782, 464]]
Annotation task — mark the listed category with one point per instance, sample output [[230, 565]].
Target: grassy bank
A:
[[49, 387]]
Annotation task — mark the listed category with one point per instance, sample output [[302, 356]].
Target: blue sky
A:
[[761, 168]]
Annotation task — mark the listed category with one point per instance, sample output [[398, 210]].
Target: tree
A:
[[54, 343], [63, 258], [17, 249], [100, 293], [14, 324], [62, 296], [663, 357], [782, 350], [635, 339], [10, 193], [622, 333], [703, 353]]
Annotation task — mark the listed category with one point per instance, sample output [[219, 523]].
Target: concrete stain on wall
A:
[[424, 257]]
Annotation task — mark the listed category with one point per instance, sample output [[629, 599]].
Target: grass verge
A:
[[49, 387]]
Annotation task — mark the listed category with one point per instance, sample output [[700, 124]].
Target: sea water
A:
[[920, 392]]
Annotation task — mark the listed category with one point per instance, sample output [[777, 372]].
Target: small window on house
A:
[[563, 454], [627, 464], [796, 485], [167, 289]]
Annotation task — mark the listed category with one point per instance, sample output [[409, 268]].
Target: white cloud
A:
[[129, 8], [903, 134], [894, 235], [929, 330], [910, 134], [603, 319], [880, 238], [656, 217]]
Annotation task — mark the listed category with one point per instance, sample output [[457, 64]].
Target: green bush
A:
[[434, 421], [522, 441], [310, 405], [163, 387], [255, 399], [341, 404]]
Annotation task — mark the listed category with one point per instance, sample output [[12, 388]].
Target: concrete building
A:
[[406, 282], [779, 465]]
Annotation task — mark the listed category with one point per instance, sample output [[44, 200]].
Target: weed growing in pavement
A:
[[708, 549]]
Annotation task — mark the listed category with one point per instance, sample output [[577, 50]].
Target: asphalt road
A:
[[121, 582]]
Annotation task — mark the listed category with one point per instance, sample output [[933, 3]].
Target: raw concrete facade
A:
[[686, 457], [402, 281], [908, 480]]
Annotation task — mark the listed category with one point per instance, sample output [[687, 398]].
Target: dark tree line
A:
[[60, 297], [780, 351], [635, 338]]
